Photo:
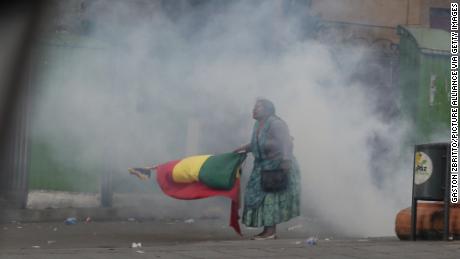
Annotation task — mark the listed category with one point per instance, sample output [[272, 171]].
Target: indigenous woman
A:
[[272, 148]]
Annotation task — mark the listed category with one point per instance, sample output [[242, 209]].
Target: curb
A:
[[96, 214], [60, 214]]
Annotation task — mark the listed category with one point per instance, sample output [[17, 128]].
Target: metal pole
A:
[[413, 224], [106, 183], [14, 83], [414, 204], [446, 194], [106, 190]]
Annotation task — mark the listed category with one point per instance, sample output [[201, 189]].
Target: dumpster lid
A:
[[441, 145], [428, 40]]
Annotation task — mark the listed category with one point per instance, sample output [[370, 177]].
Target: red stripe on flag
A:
[[197, 190]]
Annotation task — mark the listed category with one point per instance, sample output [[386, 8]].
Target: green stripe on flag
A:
[[219, 171]]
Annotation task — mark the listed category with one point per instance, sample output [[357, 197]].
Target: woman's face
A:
[[258, 112]]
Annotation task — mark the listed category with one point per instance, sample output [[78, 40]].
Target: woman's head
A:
[[263, 109]]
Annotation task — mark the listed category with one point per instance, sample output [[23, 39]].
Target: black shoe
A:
[[258, 235], [272, 236], [141, 173]]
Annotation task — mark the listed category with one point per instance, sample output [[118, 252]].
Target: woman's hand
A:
[[242, 149], [239, 150]]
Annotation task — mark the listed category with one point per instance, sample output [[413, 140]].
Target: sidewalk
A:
[[203, 233], [197, 239]]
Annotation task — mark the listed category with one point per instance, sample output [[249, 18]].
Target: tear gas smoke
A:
[[172, 69]]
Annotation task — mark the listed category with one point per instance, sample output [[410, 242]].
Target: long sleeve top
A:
[[278, 143]]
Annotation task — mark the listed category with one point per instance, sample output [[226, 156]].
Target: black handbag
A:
[[274, 180]]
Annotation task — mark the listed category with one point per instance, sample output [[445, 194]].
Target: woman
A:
[[272, 148]]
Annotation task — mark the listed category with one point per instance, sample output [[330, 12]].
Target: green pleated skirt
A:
[[268, 209]]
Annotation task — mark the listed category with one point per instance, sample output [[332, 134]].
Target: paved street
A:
[[198, 239], [284, 248]]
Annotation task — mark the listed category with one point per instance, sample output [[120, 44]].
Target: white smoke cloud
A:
[[130, 103]]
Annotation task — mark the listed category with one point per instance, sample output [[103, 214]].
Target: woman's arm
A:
[[282, 141], [245, 148]]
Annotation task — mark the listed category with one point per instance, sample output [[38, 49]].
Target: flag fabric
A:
[[204, 176], [215, 171]]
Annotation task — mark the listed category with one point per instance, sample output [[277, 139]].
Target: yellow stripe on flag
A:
[[188, 169]]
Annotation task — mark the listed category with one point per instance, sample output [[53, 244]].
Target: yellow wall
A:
[[375, 19], [369, 12]]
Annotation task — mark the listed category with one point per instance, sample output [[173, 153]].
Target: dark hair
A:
[[269, 107]]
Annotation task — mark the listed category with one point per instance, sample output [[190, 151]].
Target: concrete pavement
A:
[[283, 248], [200, 238]]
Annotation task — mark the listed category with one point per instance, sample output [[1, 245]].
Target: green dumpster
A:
[[425, 81]]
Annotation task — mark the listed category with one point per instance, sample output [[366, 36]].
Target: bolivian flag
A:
[[202, 176]]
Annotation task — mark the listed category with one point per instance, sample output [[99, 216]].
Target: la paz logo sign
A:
[[423, 168]]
